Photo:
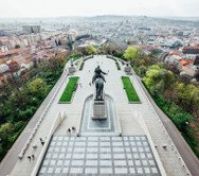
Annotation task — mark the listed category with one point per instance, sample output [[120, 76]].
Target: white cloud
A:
[[51, 8]]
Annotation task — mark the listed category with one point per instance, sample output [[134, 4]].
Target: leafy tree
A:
[[158, 79], [142, 70], [53, 64], [19, 125], [152, 77], [131, 53], [195, 105], [14, 67], [90, 50], [5, 130], [4, 112], [19, 99], [37, 87], [25, 114], [181, 119], [188, 97]]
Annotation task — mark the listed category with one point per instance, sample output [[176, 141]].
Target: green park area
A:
[[130, 90], [177, 98], [69, 90], [21, 97]]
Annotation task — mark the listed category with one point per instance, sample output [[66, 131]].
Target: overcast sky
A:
[[54, 8]]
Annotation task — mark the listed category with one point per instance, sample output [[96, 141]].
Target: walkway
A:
[[187, 154], [134, 119], [128, 155]]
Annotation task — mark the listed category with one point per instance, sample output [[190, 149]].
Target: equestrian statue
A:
[[99, 80]]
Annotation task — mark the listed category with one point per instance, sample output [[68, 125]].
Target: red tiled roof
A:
[[10, 52], [185, 62], [13, 65]]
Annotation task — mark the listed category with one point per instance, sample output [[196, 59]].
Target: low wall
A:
[[54, 127]]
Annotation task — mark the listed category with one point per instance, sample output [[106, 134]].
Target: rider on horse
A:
[[99, 80], [99, 74]]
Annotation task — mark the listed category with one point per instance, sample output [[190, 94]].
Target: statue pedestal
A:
[[127, 70], [72, 70], [99, 110]]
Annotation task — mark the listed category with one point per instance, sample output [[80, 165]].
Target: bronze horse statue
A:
[[99, 80]]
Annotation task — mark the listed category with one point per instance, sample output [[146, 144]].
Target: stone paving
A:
[[91, 127], [128, 155], [135, 120]]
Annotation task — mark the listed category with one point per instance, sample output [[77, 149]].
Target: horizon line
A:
[[91, 16]]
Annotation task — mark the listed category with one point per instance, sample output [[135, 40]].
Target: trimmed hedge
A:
[[117, 65], [69, 90], [81, 66], [130, 90]]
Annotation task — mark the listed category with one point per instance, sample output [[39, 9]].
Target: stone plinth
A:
[[99, 110], [71, 69], [127, 70]]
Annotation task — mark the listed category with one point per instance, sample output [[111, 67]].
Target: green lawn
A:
[[69, 90], [130, 90]]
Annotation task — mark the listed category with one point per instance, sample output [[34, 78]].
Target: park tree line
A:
[[21, 96], [161, 81], [178, 99]]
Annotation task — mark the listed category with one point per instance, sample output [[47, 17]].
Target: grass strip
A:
[[130, 90], [69, 90]]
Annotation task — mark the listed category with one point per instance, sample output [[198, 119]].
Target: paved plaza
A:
[[100, 150], [129, 155], [91, 127], [132, 141]]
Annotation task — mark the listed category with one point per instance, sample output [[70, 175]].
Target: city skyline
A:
[[52, 8], [90, 87]]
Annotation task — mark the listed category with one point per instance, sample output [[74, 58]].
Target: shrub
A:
[[37, 87], [81, 66], [117, 65], [181, 119], [26, 114]]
